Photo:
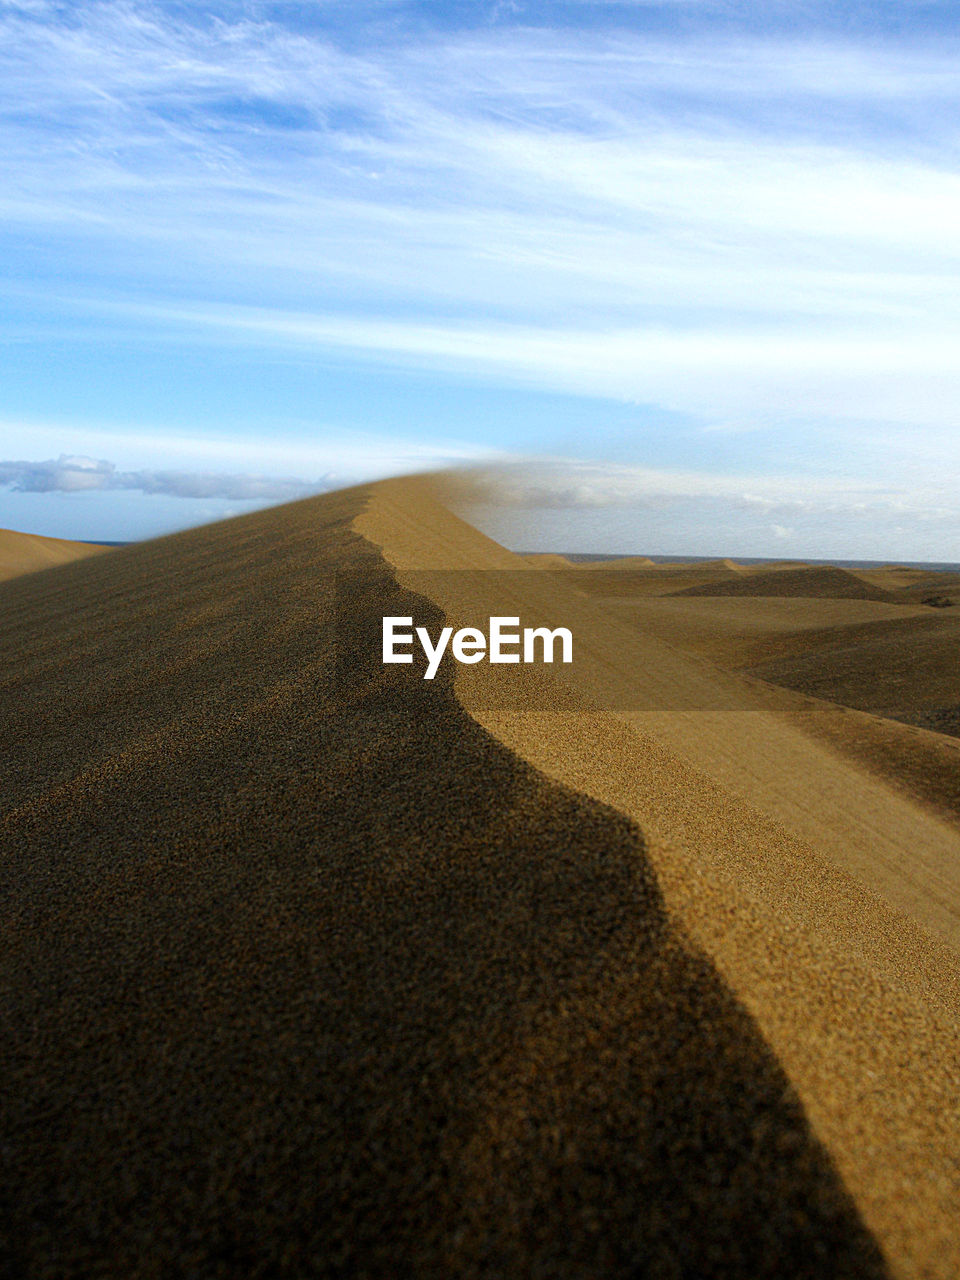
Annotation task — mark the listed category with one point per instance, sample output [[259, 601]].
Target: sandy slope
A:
[[740, 631], [660, 580], [619, 564], [822, 581], [895, 660], [636, 577], [913, 584], [27, 552], [898, 661], [315, 969], [810, 882], [907, 670]]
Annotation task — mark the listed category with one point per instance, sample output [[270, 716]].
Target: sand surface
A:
[[314, 968], [27, 552], [822, 581], [741, 631]]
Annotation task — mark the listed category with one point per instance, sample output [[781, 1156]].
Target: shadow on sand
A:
[[326, 982]]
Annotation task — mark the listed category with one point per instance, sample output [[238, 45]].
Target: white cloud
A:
[[78, 474], [569, 505], [571, 484], [567, 482], [842, 372]]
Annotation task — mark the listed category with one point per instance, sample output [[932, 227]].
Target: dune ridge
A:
[[317, 971], [758, 870]]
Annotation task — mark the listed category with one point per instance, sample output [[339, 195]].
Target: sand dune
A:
[[721, 564], [743, 630], [768, 566], [27, 552], [815, 581], [548, 560], [830, 648], [906, 669], [660, 580], [898, 661], [939, 585], [315, 968], [912, 584], [621, 563]]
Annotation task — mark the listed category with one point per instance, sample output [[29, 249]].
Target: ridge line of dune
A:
[[331, 982], [832, 973]]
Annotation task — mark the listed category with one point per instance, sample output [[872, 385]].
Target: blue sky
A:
[[700, 259]]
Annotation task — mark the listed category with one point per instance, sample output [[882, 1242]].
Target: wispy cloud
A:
[[664, 205], [844, 370]]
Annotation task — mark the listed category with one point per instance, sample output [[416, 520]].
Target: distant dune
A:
[[931, 584], [658, 580], [548, 560], [738, 630], [625, 562], [721, 564], [907, 669], [823, 582], [27, 552], [312, 967]]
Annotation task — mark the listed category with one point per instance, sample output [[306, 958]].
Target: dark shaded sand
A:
[[27, 552], [306, 974], [905, 670]]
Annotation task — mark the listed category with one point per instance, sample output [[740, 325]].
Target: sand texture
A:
[[27, 552], [312, 968]]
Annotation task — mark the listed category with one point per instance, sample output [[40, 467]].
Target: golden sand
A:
[[311, 969], [28, 552]]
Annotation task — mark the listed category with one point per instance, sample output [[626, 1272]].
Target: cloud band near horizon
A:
[[76, 474]]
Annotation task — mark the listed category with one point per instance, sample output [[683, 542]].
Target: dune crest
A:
[[315, 969], [798, 870]]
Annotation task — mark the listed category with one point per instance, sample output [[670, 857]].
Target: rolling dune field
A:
[[641, 967]]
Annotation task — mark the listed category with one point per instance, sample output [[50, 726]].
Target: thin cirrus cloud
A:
[[742, 372], [619, 165]]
